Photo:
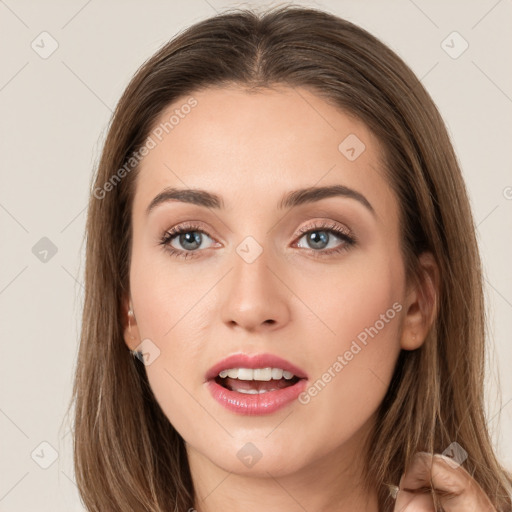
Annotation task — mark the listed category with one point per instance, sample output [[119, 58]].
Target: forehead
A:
[[248, 146]]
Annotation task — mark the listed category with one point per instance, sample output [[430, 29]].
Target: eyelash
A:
[[348, 239]]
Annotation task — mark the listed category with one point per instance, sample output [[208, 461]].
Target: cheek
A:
[[345, 300], [175, 375], [355, 354], [173, 313], [165, 295]]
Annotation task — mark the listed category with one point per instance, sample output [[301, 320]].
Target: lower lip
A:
[[264, 403]]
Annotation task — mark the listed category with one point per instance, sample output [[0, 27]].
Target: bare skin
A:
[[300, 301], [457, 491]]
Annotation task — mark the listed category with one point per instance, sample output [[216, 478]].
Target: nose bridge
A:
[[254, 296]]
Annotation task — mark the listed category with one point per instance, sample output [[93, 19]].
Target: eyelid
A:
[[184, 227], [327, 225], [190, 226]]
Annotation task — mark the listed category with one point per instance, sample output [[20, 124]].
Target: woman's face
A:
[[265, 270]]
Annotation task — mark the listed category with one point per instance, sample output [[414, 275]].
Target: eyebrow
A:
[[289, 200]]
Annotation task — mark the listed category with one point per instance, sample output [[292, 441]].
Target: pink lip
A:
[[265, 403]]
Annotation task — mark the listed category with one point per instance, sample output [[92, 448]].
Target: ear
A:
[[421, 303], [130, 329]]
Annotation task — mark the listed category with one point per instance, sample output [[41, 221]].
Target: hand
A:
[[457, 490]]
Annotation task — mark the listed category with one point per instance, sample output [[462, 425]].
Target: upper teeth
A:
[[256, 374]]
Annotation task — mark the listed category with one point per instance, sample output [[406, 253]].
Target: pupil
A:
[[190, 237], [313, 238]]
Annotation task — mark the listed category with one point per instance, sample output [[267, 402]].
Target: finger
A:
[[456, 489], [414, 502], [417, 475], [414, 487]]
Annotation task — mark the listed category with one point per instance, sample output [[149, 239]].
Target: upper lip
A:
[[254, 361]]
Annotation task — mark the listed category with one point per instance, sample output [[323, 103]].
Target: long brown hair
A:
[[127, 454]]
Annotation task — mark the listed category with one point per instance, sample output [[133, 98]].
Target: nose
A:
[[255, 296]]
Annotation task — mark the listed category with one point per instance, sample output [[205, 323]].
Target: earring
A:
[[130, 316], [134, 353], [393, 491], [137, 354]]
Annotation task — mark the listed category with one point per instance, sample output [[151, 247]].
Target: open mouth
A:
[[255, 381], [255, 384]]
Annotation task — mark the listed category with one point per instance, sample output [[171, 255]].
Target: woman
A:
[[280, 233]]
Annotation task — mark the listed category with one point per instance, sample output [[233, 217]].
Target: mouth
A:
[[257, 384], [255, 381]]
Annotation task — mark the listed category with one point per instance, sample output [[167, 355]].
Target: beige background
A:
[[54, 115]]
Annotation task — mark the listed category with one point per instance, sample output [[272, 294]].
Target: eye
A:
[[188, 238], [319, 237]]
